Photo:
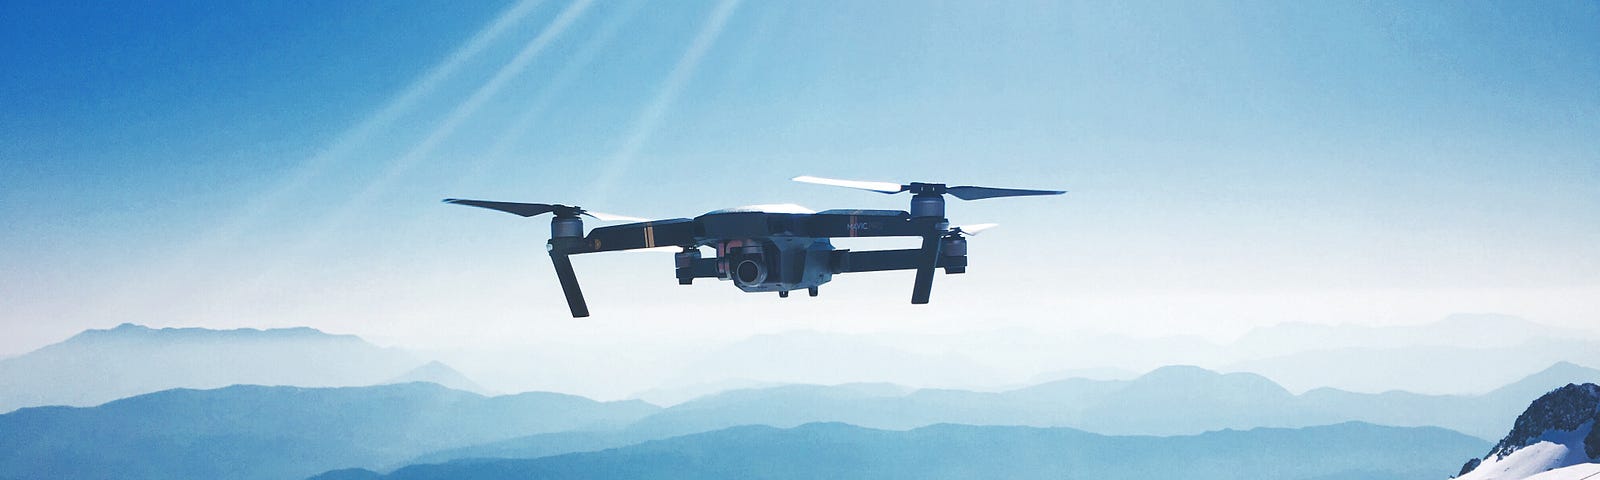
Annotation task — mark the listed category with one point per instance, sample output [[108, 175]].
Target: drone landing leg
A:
[[569, 284], [927, 260]]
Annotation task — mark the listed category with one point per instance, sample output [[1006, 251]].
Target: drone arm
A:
[[848, 261], [634, 236]]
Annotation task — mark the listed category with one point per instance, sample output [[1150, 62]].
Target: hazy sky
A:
[[262, 164]]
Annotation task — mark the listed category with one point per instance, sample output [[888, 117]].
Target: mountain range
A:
[[97, 366], [247, 431], [438, 373], [1460, 354], [1168, 401], [1463, 354], [1174, 400], [256, 432], [834, 450], [1426, 368]]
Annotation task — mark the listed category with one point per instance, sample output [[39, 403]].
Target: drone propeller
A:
[[532, 209], [566, 229], [612, 217], [880, 187], [964, 192], [971, 230], [927, 208]]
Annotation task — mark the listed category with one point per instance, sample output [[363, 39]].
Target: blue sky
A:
[[1231, 163]]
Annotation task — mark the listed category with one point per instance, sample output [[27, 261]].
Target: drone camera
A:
[[747, 265], [749, 273]]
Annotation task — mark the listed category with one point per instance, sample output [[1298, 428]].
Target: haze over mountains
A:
[[1463, 354], [247, 431], [1552, 439], [1169, 401], [97, 366], [289, 432], [1460, 354], [438, 373], [254, 432], [833, 450]]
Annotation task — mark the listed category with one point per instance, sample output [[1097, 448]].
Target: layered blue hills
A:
[[1175, 400], [1168, 401], [255, 432], [271, 432], [97, 366], [840, 451]]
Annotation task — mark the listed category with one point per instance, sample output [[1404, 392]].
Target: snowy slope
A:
[[1554, 439], [1583, 471], [1553, 450]]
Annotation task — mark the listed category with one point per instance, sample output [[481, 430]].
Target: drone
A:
[[774, 248]]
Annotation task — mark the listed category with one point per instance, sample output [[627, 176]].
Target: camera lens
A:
[[749, 272]]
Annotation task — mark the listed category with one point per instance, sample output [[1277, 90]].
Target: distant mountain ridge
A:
[[98, 366], [438, 373], [1460, 330], [1463, 354], [841, 451], [1173, 400], [133, 331], [1425, 369], [263, 433], [1179, 400]]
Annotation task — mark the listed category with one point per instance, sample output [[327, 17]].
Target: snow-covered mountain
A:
[[1554, 439]]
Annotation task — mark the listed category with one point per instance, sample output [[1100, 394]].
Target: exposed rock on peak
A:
[[1556, 431], [1565, 409]]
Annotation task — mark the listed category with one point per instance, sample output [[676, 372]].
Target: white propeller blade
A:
[[612, 217], [884, 187], [975, 228]]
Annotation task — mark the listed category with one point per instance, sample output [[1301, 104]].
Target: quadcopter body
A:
[[773, 248]]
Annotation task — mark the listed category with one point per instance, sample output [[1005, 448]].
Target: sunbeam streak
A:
[[650, 118], [564, 78], [357, 136], [210, 244], [549, 91], [451, 122], [336, 217]]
